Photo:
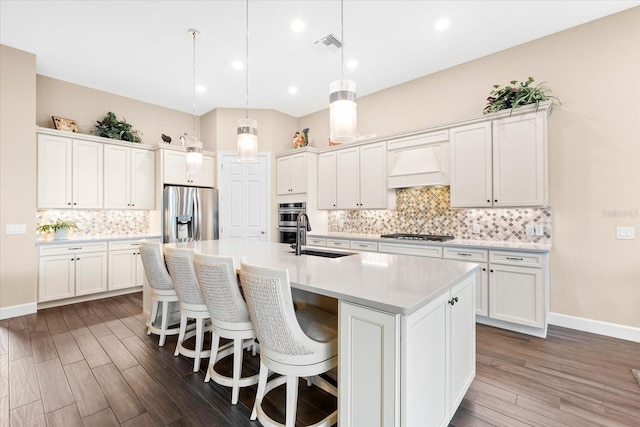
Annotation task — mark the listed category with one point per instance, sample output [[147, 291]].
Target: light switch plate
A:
[[625, 233], [530, 230], [16, 228]]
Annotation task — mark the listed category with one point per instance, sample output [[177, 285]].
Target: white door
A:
[[116, 177], [373, 176], [245, 197]]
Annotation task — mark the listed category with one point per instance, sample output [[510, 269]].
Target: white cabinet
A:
[[291, 174], [174, 169], [69, 173], [129, 178], [125, 265], [501, 162], [386, 380], [327, 176], [66, 270], [361, 177], [480, 256], [409, 249]]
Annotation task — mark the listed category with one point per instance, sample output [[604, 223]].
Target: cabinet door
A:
[[516, 294], [56, 277], [283, 175], [471, 166], [327, 181], [298, 173], [205, 177], [519, 161], [348, 178], [142, 179], [54, 172], [462, 367], [373, 176], [368, 362], [174, 168], [91, 273], [140, 278], [482, 290], [122, 268], [87, 174], [117, 177]]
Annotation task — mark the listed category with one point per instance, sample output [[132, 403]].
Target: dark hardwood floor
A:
[[92, 364]]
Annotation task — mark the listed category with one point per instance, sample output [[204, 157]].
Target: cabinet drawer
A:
[[124, 244], [524, 259], [316, 241], [464, 254], [66, 249], [428, 251], [364, 246], [337, 243]]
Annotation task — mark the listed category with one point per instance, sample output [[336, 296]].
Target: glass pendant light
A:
[[247, 128], [194, 146], [343, 120]]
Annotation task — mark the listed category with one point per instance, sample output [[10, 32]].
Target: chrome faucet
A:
[[300, 240]]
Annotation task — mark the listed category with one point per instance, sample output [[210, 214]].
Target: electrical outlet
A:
[[539, 230], [530, 230], [476, 228], [626, 233], [16, 228]]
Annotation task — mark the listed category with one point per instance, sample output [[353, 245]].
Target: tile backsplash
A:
[[427, 211], [98, 222]]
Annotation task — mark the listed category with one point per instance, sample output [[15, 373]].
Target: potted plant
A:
[[514, 96], [60, 229], [111, 127]]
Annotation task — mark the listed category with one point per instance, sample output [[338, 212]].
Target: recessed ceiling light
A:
[[201, 89], [442, 24], [351, 64], [237, 65], [293, 90], [298, 26]]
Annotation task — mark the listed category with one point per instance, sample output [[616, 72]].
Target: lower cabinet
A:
[[66, 271], [125, 265], [412, 370]]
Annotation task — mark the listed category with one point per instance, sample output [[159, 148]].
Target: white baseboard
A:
[[18, 310], [614, 330]]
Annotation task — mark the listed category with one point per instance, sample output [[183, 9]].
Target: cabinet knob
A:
[[488, 201], [74, 203], [495, 201], [491, 270], [484, 269], [69, 203], [133, 204], [452, 301]]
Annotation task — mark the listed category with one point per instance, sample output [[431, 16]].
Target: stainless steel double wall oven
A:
[[287, 215]]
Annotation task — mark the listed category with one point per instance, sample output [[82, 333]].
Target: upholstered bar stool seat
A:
[[294, 344], [162, 291], [192, 306], [229, 319]]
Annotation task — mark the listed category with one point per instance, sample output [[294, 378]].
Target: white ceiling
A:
[[142, 49]]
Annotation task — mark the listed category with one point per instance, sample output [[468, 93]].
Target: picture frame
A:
[[61, 123]]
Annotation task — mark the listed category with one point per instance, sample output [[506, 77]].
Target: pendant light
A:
[[343, 121], [247, 128], [194, 146]]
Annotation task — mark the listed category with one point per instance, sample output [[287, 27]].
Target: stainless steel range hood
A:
[[414, 163]]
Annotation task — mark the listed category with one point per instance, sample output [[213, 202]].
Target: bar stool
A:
[[192, 306], [229, 319], [292, 344], [162, 292]]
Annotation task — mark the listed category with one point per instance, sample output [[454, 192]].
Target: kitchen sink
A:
[[324, 254]]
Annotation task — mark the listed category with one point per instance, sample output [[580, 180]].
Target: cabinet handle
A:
[[74, 249], [514, 258], [135, 244], [363, 246], [463, 254], [454, 300]]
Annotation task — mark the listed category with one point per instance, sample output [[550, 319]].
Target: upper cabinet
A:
[[291, 174], [174, 169], [361, 177], [128, 178], [69, 173], [327, 175], [500, 162]]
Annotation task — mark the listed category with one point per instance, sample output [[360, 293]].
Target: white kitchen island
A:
[[406, 328]]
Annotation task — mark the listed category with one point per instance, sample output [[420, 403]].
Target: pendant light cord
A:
[[246, 105], [342, 37], [194, 33]]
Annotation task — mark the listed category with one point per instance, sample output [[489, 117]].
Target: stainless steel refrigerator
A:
[[189, 213]]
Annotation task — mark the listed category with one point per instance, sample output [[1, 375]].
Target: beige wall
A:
[[594, 150], [17, 176], [86, 106]]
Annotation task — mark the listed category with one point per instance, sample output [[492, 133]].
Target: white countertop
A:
[[102, 238], [481, 244], [398, 284]]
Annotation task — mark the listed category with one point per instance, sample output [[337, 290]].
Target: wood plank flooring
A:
[[92, 364]]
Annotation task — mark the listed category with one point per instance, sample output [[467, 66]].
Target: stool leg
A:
[[154, 313], [292, 400], [237, 369], [215, 344], [262, 384], [199, 339], [165, 321], [183, 330]]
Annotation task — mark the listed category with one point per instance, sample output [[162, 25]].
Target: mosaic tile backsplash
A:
[[98, 222], [427, 211]]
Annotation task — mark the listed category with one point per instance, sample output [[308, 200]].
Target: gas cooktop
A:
[[408, 236]]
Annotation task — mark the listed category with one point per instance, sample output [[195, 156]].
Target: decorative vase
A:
[[61, 234]]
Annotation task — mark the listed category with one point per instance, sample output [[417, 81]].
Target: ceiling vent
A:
[[329, 43]]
